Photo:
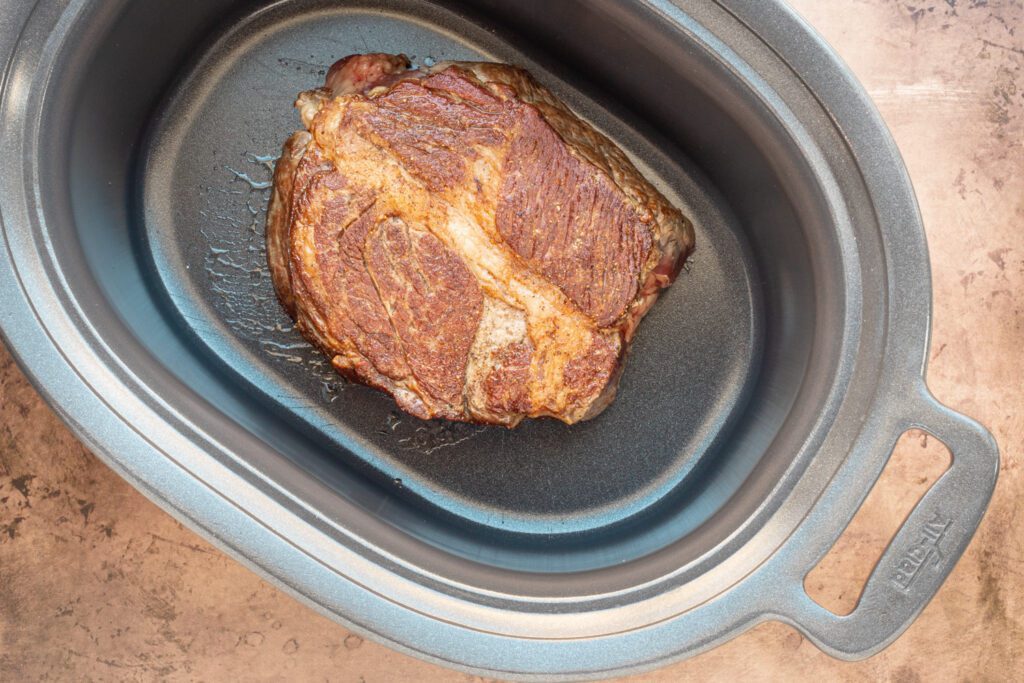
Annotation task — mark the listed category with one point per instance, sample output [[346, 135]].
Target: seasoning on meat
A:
[[457, 237]]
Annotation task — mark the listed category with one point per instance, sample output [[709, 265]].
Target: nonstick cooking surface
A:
[[202, 188]]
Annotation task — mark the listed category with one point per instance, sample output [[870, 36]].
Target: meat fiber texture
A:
[[457, 237]]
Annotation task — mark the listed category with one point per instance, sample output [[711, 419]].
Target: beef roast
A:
[[458, 238]]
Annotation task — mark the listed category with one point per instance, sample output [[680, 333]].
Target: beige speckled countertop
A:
[[96, 583]]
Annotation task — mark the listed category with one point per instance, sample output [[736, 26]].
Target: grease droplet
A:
[[254, 184]]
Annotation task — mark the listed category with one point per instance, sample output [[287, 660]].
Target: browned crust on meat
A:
[[594, 242], [458, 238], [672, 232], [279, 217], [506, 386]]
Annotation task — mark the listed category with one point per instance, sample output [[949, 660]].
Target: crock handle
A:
[[923, 551]]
